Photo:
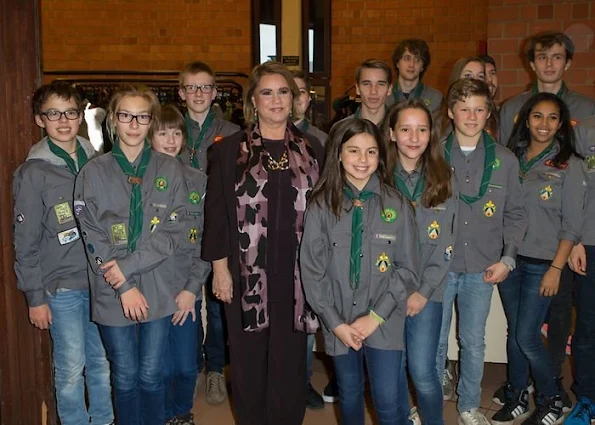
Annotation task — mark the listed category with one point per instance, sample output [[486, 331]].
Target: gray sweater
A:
[[49, 253], [389, 267]]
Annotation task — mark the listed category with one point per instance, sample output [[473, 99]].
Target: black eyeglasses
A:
[[193, 88], [55, 115], [142, 119]]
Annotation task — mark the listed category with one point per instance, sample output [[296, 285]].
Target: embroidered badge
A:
[[68, 236], [592, 148], [63, 212], [497, 163], [173, 216], [194, 197], [434, 230], [448, 253], [489, 209], [98, 261], [573, 122], [78, 207], [90, 248], [154, 222], [217, 139], [546, 193], [427, 102], [385, 237], [383, 262], [161, 183], [119, 236], [389, 215], [590, 161], [193, 235], [20, 218], [550, 163]]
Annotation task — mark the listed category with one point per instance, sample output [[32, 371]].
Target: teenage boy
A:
[[301, 105], [411, 60], [51, 266], [492, 225], [550, 56], [491, 73], [198, 89], [373, 83], [582, 262]]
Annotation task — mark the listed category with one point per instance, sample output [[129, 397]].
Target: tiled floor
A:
[[494, 374]]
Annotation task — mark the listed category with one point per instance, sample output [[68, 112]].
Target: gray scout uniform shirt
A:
[[102, 207], [585, 146], [494, 226], [218, 128], [431, 97], [580, 107], [191, 270], [553, 201], [389, 266], [437, 229], [49, 253], [306, 126]]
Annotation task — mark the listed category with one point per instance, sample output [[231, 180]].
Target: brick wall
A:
[[363, 29], [511, 21], [141, 35]]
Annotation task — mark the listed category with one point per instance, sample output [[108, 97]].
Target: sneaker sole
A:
[[329, 398], [568, 409], [447, 397], [518, 418], [317, 407]]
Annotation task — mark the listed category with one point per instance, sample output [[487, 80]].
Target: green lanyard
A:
[[81, 156], [195, 144], [488, 165], [135, 178], [417, 91], [357, 227], [560, 94], [524, 167], [306, 126], [417, 191]]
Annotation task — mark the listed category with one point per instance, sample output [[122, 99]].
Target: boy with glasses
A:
[[198, 89], [411, 60], [51, 266]]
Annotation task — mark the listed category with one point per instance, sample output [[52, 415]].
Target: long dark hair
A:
[[328, 191], [436, 171], [520, 140]]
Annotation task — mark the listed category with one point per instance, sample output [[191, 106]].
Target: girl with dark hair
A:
[[358, 255], [424, 178], [552, 185]]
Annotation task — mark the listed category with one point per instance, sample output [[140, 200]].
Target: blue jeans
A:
[[211, 352], [179, 366], [583, 341], [77, 346], [525, 312], [136, 356], [309, 355], [383, 372], [474, 298], [422, 333]]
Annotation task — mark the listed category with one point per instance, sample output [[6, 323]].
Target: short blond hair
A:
[[130, 90]]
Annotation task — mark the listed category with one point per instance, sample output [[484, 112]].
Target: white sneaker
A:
[[472, 417], [414, 416]]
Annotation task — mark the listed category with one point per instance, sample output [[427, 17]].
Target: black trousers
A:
[[268, 368], [560, 321]]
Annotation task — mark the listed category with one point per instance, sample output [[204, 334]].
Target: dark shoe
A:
[[516, 408], [566, 402], [331, 392], [548, 412], [501, 394], [449, 381], [313, 400], [216, 391], [187, 419]]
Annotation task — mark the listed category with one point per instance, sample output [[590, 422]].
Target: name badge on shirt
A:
[[119, 236], [68, 236], [63, 213]]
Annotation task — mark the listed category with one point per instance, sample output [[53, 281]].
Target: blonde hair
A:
[[129, 90], [258, 72]]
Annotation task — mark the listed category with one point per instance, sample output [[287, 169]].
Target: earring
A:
[[255, 117]]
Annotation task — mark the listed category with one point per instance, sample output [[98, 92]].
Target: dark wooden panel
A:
[[26, 395]]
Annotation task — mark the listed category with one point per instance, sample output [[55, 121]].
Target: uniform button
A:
[[361, 255], [354, 303], [389, 242], [466, 223], [334, 243], [467, 180], [466, 244]]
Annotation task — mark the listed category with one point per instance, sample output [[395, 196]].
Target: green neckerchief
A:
[[81, 156], [419, 187], [194, 144], [525, 166], [306, 125], [417, 91], [357, 227], [560, 94], [488, 164], [135, 178]]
